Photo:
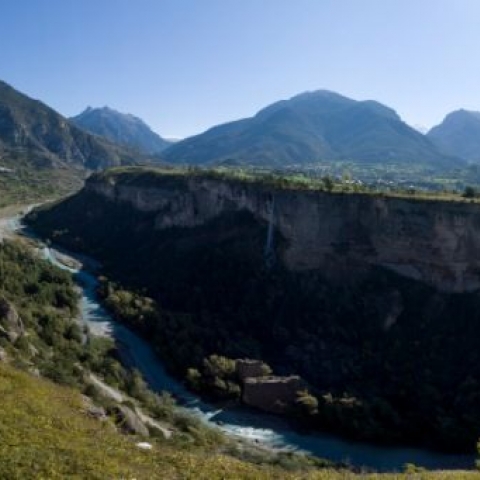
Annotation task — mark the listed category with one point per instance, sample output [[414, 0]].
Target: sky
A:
[[186, 65]]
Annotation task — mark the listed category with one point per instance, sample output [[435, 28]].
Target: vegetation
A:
[[51, 344], [216, 377], [338, 178], [470, 192]]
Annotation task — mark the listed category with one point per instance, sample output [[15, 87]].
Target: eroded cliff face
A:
[[436, 242]]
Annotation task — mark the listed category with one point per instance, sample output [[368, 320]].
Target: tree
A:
[[307, 403], [194, 378], [218, 366], [469, 192], [328, 183]]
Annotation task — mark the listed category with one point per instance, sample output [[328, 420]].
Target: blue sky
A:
[[185, 65]]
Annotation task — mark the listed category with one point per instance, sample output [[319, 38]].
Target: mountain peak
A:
[[320, 94], [123, 128]]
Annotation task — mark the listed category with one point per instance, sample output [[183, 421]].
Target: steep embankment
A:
[[371, 299]]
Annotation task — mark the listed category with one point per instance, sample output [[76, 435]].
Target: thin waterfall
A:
[[269, 250]]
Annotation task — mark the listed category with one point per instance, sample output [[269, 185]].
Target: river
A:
[[266, 430]]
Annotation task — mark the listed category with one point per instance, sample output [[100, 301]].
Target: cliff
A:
[[436, 242]]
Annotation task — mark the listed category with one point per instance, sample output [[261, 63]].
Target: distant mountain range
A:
[[313, 128], [459, 134], [309, 128], [121, 128]]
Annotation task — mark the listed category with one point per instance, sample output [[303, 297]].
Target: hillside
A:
[[459, 134], [355, 277], [42, 154], [312, 128], [47, 433], [121, 128]]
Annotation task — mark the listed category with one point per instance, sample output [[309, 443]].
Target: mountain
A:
[[29, 128], [42, 154], [122, 128], [310, 128], [459, 134]]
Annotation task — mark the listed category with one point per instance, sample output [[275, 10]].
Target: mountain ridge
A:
[[309, 128]]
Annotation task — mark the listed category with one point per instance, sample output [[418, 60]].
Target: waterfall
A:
[[269, 250]]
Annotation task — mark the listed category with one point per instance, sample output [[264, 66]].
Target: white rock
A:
[[144, 445]]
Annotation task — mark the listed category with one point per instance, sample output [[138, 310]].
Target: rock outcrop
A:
[[129, 421], [260, 389], [11, 325], [272, 394], [436, 242]]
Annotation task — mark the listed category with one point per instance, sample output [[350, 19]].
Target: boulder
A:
[[272, 394], [129, 421], [11, 325]]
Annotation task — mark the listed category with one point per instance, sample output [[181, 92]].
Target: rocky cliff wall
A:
[[436, 242]]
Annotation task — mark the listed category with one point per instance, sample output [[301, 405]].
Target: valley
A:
[[239, 240], [323, 318], [312, 247], [266, 431]]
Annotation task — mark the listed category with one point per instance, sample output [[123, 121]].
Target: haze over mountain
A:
[[309, 128], [459, 134], [31, 130], [122, 128]]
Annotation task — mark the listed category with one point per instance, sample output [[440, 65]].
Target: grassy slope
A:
[[46, 434]]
